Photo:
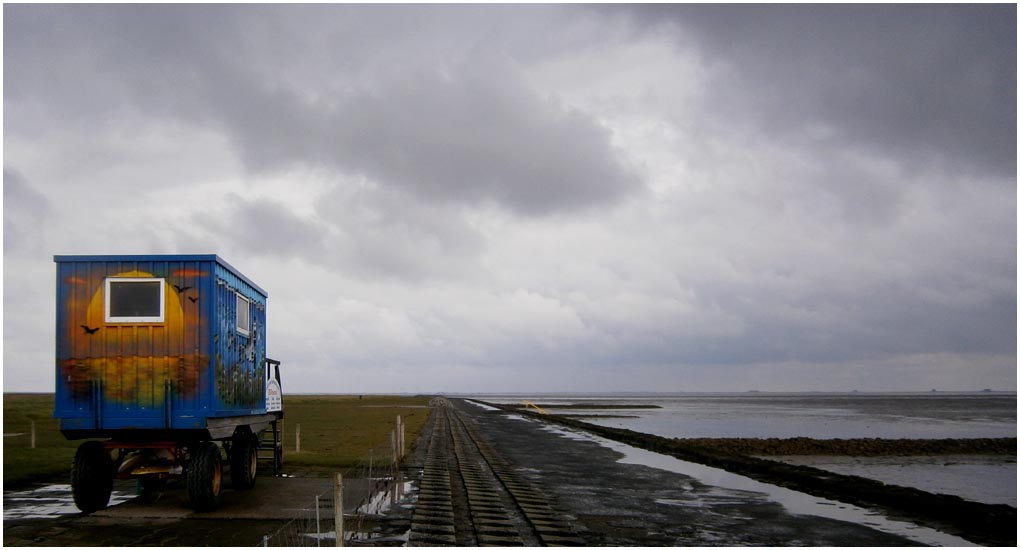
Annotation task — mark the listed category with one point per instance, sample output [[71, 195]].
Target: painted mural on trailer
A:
[[240, 362], [113, 349]]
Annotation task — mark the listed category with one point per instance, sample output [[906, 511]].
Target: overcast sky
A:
[[537, 198]]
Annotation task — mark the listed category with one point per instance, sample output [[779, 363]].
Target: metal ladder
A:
[[271, 445]]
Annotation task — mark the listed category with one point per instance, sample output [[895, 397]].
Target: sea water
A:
[[929, 415], [933, 415]]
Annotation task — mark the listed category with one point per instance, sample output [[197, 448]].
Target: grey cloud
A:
[[25, 211], [932, 83], [473, 135], [384, 232], [363, 232], [467, 130], [258, 227], [801, 215]]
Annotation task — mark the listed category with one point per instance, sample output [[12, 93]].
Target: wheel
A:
[[205, 475], [244, 461], [91, 477], [150, 488]]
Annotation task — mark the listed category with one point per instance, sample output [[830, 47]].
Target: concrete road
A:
[[242, 519]]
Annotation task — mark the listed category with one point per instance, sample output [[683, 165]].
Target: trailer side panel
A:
[[153, 343]]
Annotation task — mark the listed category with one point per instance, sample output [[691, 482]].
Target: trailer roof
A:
[[161, 258]]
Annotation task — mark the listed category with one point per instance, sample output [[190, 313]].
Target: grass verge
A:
[[337, 432], [340, 431], [52, 455]]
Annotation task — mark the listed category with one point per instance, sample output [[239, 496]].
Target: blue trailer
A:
[[163, 357]]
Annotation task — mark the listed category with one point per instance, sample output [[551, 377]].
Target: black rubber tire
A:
[[91, 477], [244, 461], [205, 476]]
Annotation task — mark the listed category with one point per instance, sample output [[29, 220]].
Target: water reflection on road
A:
[[794, 501], [48, 502]]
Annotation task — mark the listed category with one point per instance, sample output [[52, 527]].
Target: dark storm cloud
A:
[[473, 135], [936, 83], [467, 130]]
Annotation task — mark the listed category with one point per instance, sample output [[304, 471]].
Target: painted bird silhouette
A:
[[193, 300], [89, 330], [181, 289]]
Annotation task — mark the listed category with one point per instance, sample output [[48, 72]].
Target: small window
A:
[[243, 315], [134, 300]]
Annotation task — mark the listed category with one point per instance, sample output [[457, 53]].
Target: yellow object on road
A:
[[536, 407]]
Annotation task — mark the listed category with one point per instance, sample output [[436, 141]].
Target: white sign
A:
[[274, 396]]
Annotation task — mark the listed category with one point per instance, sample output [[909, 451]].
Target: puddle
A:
[[381, 502], [377, 504], [49, 502], [795, 502], [319, 537]]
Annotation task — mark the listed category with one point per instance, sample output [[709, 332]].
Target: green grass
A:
[[52, 455], [340, 431], [337, 432]]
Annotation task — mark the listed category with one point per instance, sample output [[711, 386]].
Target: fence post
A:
[[403, 441], [318, 531], [297, 439], [265, 540], [33, 434], [338, 508], [400, 430], [393, 466], [393, 447], [399, 453], [398, 484]]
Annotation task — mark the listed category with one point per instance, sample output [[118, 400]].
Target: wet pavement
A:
[[46, 515]]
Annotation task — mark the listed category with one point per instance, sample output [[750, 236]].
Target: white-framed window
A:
[[243, 315], [135, 300]]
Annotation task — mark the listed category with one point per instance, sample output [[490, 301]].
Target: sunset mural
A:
[[157, 338], [135, 360]]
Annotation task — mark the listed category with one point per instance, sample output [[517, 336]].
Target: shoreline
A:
[[986, 524]]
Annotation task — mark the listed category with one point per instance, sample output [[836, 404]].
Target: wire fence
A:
[[367, 491]]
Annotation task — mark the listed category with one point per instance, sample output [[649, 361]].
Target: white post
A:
[[33, 434], [393, 465], [297, 439], [393, 447], [400, 437], [398, 485], [338, 509], [318, 531]]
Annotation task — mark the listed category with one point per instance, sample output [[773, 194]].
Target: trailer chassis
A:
[[196, 456]]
